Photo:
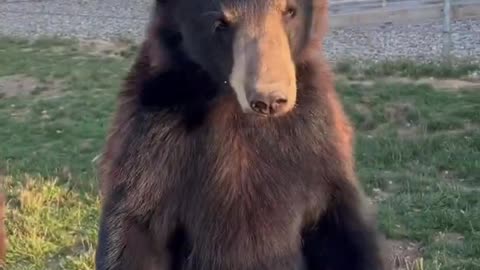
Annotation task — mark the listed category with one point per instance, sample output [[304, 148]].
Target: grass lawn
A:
[[418, 152]]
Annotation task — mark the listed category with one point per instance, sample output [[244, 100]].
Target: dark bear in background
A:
[[230, 149]]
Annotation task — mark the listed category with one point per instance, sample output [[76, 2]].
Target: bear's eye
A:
[[221, 25], [290, 12]]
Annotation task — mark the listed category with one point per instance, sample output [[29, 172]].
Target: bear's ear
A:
[[162, 34], [317, 21], [320, 17], [163, 12]]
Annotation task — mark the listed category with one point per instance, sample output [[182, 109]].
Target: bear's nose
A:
[[273, 103]]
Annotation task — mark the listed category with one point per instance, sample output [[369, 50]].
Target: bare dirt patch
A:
[[20, 115], [380, 195], [50, 90], [411, 132], [450, 238], [467, 127], [405, 255], [367, 122], [22, 85], [438, 84], [105, 48], [400, 113], [17, 85], [457, 183], [450, 84]]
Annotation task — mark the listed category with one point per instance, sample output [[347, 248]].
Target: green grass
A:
[[416, 146]]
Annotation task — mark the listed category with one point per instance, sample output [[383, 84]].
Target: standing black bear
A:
[[230, 150]]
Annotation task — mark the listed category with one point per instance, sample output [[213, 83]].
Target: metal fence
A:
[[337, 6], [371, 12], [364, 12]]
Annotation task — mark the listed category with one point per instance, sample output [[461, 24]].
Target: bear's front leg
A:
[[123, 244], [344, 237]]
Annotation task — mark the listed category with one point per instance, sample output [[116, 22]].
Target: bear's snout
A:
[[263, 72], [273, 103]]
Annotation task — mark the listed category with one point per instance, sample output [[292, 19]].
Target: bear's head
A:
[[253, 47]]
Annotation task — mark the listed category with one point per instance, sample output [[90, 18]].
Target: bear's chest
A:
[[245, 222], [245, 201]]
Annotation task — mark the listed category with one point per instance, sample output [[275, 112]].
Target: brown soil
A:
[[17, 85], [439, 84], [22, 85], [398, 113], [105, 48], [450, 238], [405, 255]]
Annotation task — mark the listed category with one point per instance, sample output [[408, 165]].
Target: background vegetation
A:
[[418, 151]]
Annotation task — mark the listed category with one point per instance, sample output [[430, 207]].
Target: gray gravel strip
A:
[[420, 42], [116, 8], [126, 19], [40, 25]]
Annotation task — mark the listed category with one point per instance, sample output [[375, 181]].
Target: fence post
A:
[[447, 30]]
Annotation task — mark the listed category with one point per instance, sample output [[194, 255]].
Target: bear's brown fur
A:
[[190, 181]]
